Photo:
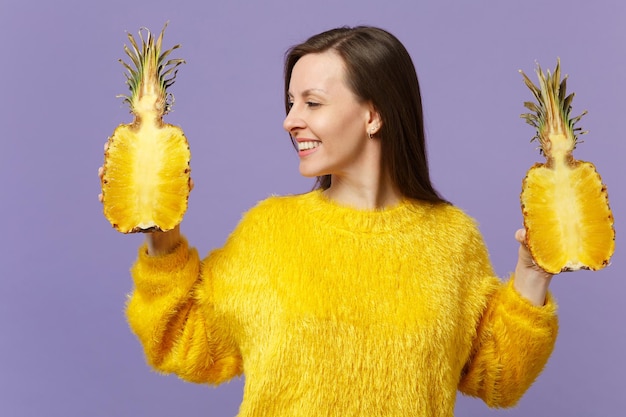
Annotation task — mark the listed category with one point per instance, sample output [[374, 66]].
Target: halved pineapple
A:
[[568, 221], [146, 172]]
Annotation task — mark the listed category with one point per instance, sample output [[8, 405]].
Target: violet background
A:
[[65, 347]]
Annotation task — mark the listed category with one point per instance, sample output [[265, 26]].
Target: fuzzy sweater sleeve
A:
[[513, 343], [174, 323]]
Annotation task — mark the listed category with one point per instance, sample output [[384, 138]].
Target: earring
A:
[[372, 131]]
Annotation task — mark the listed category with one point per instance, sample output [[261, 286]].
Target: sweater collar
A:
[[384, 220]]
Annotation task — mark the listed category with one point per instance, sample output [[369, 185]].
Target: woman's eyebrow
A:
[[307, 92]]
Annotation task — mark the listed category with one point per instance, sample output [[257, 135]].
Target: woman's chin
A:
[[309, 172]]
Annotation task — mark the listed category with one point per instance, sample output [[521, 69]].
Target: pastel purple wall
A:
[[65, 348]]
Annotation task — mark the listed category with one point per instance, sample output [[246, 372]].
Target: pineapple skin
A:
[[567, 217], [146, 180]]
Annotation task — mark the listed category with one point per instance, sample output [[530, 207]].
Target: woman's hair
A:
[[380, 70]]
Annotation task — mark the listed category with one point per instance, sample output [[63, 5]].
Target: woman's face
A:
[[327, 121]]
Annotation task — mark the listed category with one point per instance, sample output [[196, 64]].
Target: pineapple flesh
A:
[[565, 205], [146, 171]]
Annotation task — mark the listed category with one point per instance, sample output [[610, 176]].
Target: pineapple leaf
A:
[[166, 53], [563, 89], [552, 111], [532, 107], [148, 72], [536, 92], [133, 56]]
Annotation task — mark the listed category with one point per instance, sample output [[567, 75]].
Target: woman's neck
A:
[[364, 193]]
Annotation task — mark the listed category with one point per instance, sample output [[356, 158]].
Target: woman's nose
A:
[[292, 121]]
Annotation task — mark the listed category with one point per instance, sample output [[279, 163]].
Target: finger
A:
[[524, 253]]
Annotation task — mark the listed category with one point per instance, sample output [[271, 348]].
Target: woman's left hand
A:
[[531, 281]]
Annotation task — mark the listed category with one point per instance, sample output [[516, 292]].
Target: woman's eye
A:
[[310, 104]]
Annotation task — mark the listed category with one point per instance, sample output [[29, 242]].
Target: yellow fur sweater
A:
[[333, 311]]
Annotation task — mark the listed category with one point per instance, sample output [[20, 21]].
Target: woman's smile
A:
[[307, 146]]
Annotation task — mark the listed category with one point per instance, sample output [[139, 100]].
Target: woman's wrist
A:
[[532, 283], [162, 243]]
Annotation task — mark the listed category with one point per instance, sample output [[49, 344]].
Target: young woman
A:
[[368, 296]]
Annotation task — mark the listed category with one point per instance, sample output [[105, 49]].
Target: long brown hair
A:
[[379, 69]]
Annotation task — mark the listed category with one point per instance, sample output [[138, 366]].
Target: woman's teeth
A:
[[303, 146]]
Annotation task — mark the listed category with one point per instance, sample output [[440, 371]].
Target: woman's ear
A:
[[374, 123]]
